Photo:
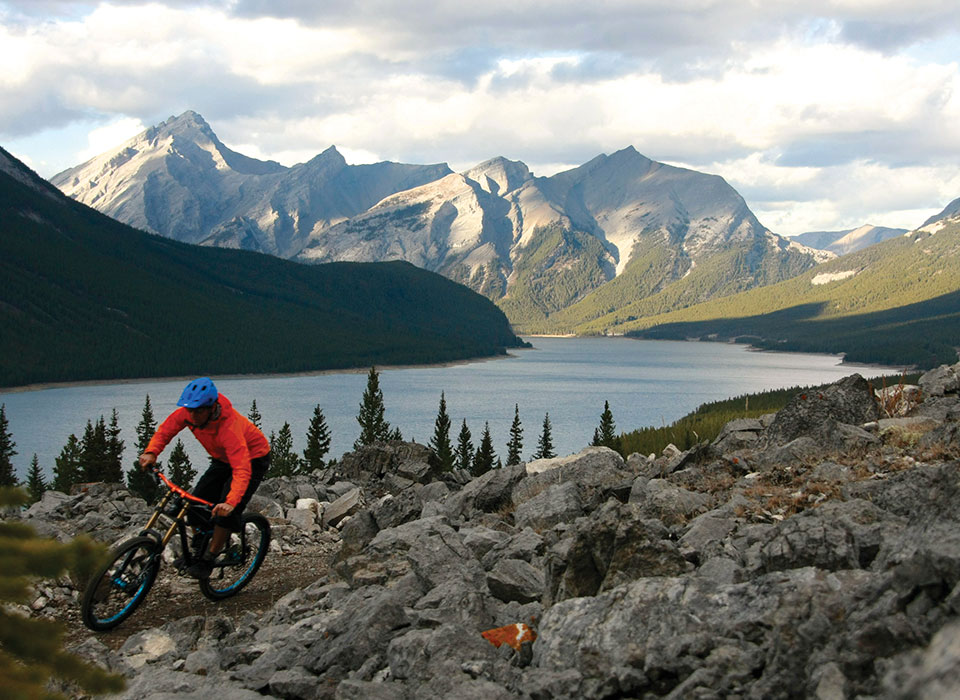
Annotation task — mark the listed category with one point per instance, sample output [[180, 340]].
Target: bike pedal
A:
[[180, 565]]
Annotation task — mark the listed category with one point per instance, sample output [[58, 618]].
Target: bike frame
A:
[[179, 520]]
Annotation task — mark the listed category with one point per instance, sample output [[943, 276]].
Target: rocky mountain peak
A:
[[951, 210], [847, 241], [499, 175], [329, 155], [187, 124]]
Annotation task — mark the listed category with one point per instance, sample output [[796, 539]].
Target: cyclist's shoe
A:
[[231, 556], [201, 569]]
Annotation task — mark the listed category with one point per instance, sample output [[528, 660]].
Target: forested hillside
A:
[[897, 302], [86, 297]]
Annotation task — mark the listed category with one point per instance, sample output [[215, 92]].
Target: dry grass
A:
[[896, 400], [772, 501]]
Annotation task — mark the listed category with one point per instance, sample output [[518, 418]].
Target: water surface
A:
[[646, 382]]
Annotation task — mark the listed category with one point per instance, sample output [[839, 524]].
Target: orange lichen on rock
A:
[[513, 635]]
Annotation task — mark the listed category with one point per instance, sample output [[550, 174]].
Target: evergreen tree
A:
[[545, 444], [606, 434], [373, 426], [68, 470], [140, 482], [464, 451], [182, 472], [36, 484], [254, 415], [93, 458], [441, 436], [395, 435], [31, 650], [8, 476], [515, 445], [484, 458], [318, 442], [283, 460], [114, 462]]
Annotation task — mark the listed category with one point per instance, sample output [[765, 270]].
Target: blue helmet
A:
[[200, 392]]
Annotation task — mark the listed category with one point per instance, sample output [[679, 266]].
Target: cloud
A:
[[794, 200], [809, 96], [106, 137]]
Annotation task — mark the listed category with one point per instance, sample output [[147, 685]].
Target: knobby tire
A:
[[232, 573], [118, 587]]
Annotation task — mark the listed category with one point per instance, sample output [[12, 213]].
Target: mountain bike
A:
[[117, 589]]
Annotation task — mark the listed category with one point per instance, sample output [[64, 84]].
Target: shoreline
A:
[[903, 369], [44, 386]]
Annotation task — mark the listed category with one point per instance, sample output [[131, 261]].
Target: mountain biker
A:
[[240, 457]]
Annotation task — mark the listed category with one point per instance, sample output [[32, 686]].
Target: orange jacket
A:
[[230, 438]]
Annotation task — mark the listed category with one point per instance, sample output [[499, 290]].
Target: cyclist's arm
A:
[[168, 430], [238, 454]]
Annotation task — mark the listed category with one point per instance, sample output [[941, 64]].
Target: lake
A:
[[646, 382]]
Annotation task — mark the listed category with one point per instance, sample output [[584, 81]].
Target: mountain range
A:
[[87, 297], [551, 251], [178, 180], [848, 241]]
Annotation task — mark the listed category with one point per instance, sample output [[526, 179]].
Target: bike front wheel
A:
[[240, 560], [120, 585]]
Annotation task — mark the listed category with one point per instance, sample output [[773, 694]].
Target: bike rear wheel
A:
[[240, 560], [119, 586]]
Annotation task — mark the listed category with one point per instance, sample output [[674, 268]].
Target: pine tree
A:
[[140, 482], [94, 456], [395, 435], [606, 434], [318, 442], [373, 426], [114, 462], [441, 436], [31, 651], [182, 472], [283, 460], [464, 451], [36, 484], [254, 415], [515, 445], [68, 470], [545, 444], [8, 475], [484, 458]]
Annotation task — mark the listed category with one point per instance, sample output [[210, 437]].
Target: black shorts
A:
[[214, 485]]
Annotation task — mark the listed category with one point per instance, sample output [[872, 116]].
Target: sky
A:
[[823, 114]]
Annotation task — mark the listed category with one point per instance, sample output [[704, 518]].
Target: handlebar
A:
[[183, 493]]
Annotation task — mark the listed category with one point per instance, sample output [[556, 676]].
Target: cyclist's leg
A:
[[209, 487], [223, 526]]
